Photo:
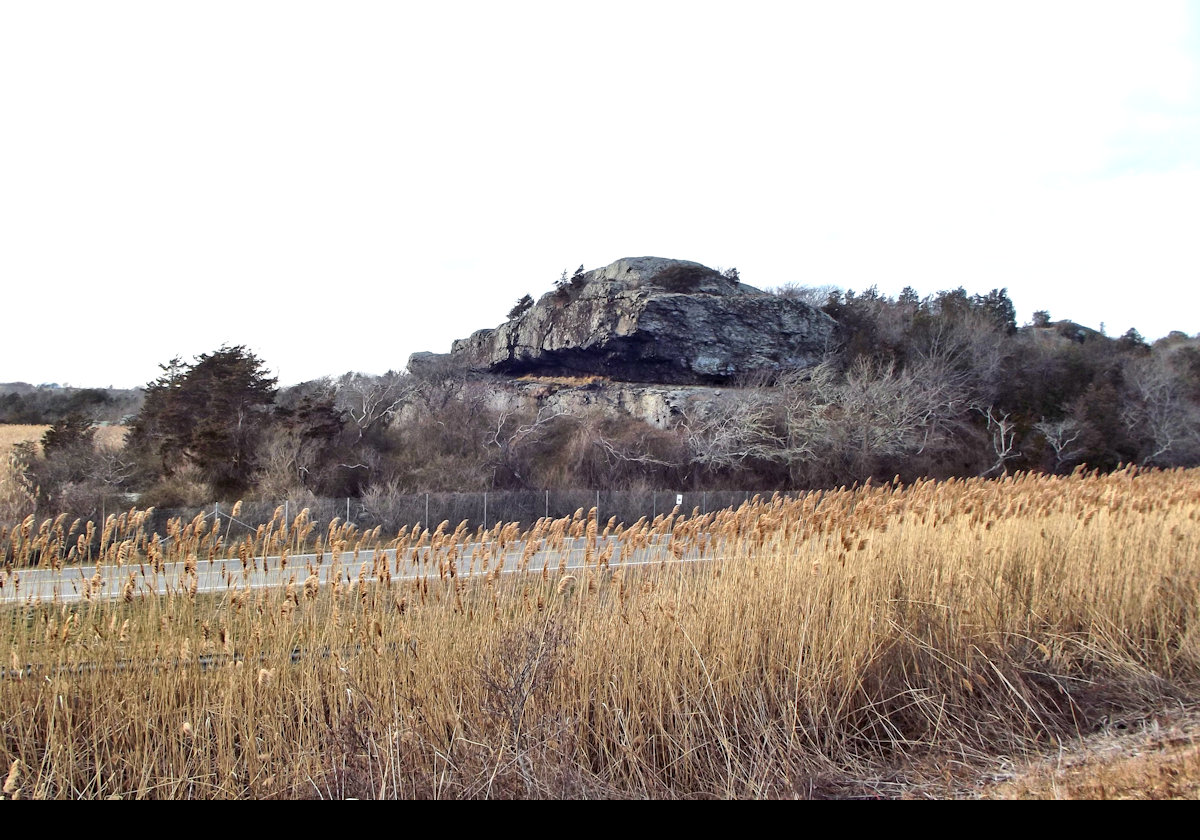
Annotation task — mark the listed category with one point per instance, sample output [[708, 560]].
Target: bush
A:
[[522, 306], [682, 279]]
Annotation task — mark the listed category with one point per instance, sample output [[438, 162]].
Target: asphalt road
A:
[[107, 582]]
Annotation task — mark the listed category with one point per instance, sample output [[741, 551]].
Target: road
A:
[[131, 580]]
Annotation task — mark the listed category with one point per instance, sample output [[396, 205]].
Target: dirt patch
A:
[[1153, 758], [1156, 756]]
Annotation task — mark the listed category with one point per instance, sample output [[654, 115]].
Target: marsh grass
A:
[[824, 646]]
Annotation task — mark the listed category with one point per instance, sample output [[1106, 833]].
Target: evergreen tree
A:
[[211, 413]]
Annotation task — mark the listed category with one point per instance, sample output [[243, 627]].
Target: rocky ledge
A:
[[648, 319]]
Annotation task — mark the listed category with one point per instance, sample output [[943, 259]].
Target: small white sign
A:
[[678, 498]]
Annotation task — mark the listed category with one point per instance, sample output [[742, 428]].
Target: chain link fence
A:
[[394, 511]]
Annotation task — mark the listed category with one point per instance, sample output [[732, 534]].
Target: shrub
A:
[[682, 278], [520, 308]]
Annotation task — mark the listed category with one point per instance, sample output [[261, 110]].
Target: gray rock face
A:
[[660, 406], [648, 319]]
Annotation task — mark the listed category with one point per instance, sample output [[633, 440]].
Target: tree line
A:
[[21, 403], [945, 385]]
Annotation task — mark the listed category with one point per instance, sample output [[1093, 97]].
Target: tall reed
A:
[[817, 646]]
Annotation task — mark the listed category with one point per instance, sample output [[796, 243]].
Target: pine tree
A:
[[210, 413]]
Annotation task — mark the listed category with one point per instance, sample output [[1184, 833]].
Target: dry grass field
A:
[[13, 433], [15, 497], [109, 437], [882, 641]]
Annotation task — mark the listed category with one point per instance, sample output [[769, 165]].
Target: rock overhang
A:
[[651, 319]]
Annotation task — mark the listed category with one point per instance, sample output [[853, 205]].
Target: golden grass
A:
[[16, 496], [822, 646], [107, 437], [1150, 761], [565, 381], [14, 433], [111, 437]]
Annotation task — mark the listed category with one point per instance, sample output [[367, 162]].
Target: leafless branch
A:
[[1060, 435], [1003, 437]]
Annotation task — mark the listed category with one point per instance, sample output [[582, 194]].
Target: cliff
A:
[[648, 319]]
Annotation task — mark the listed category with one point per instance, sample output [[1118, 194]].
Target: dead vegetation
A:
[[563, 381], [854, 643], [1152, 757]]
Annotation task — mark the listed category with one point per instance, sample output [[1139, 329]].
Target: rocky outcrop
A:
[[649, 319], [661, 406]]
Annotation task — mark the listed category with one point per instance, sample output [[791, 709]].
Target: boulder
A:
[[648, 319]]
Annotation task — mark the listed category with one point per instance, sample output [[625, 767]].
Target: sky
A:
[[337, 185]]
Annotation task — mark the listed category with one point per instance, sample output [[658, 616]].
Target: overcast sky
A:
[[338, 185]]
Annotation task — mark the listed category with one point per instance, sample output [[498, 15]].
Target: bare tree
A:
[[812, 295], [287, 463], [1063, 438], [621, 451], [725, 433], [874, 414], [969, 343], [514, 432], [438, 380], [1002, 433], [372, 400], [601, 450], [1158, 413]]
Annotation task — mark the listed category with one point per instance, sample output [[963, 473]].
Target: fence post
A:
[[347, 508], [547, 504], [426, 511], [485, 510], [653, 505], [597, 508]]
